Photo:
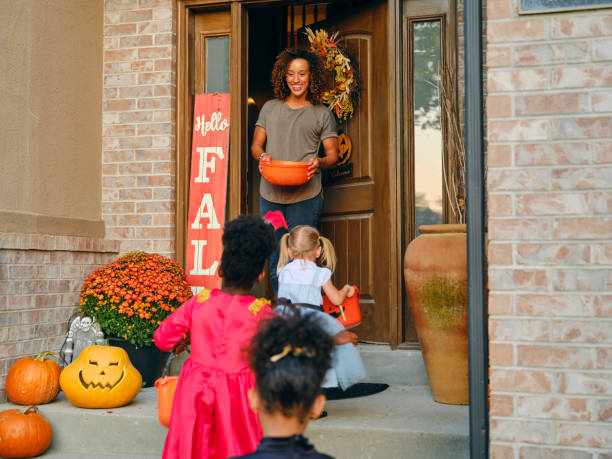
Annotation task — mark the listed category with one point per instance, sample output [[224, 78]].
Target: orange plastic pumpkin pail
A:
[[348, 314], [166, 386]]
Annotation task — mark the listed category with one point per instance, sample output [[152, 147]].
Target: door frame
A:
[[238, 159]]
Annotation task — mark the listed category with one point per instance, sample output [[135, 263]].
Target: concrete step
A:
[[383, 365], [399, 422]]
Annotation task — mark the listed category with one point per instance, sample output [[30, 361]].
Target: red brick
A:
[[499, 155], [553, 204], [501, 354], [155, 103], [534, 452], [511, 430], [513, 130], [500, 304], [518, 279], [554, 356], [594, 435], [582, 331], [163, 193], [142, 66], [499, 106], [136, 16], [155, 180], [603, 305], [545, 154], [119, 104], [154, 207], [516, 79], [581, 178], [119, 29], [604, 357], [602, 254], [500, 255], [582, 77], [552, 407], [518, 179], [499, 205], [164, 39], [551, 53], [155, 129], [120, 55], [507, 329], [518, 30], [135, 194], [497, 451], [582, 279], [581, 383], [555, 104], [583, 228], [155, 77], [552, 254], [588, 25], [155, 27], [601, 101], [119, 130], [135, 92], [581, 128], [127, 79], [501, 405], [518, 229], [604, 410], [602, 152]]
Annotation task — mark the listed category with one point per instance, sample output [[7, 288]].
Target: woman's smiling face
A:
[[298, 77]]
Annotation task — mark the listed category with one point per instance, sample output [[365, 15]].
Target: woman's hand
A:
[[313, 166], [263, 158]]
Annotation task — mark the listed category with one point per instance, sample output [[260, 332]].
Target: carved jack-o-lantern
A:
[[101, 377]]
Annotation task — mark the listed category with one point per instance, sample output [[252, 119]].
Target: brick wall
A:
[[40, 282], [138, 178], [549, 108]]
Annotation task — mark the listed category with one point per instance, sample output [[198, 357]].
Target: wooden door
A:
[[357, 214]]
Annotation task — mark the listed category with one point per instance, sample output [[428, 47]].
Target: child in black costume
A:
[[289, 356]]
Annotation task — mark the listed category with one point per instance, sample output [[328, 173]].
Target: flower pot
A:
[[146, 359], [435, 272]]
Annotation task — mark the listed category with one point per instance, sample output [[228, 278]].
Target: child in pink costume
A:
[[211, 417]]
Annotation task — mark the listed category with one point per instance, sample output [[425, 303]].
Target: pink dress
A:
[[211, 417]]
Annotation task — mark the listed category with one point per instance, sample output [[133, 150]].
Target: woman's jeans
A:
[[299, 213]]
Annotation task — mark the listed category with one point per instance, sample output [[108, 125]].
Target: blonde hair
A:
[[302, 240]]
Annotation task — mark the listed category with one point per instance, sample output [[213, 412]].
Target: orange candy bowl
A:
[[286, 173]]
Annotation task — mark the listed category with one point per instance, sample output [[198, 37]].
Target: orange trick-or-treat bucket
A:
[[348, 313], [166, 386]]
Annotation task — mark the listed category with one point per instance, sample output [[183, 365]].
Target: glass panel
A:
[[428, 149], [217, 64]]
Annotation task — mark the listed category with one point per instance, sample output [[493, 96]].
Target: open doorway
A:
[[359, 212]]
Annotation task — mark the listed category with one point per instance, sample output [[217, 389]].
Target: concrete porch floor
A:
[[400, 422]]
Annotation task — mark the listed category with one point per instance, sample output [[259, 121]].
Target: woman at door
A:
[[292, 127]]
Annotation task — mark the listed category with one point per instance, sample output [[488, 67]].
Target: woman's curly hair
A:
[[292, 383], [248, 241], [318, 75]]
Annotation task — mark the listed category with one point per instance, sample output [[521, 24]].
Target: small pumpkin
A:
[[101, 377], [24, 433], [33, 380]]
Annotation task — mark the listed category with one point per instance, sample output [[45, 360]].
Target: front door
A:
[[357, 213]]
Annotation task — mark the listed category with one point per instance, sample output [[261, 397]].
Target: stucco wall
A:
[[51, 116], [549, 110]]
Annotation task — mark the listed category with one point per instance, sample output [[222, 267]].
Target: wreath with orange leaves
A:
[[342, 98]]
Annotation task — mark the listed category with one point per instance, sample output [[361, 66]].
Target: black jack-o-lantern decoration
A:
[[101, 377]]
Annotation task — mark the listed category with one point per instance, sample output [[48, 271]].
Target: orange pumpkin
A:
[[33, 380], [101, 377], [24, 433]]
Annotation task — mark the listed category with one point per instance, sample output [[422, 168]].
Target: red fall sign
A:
[[207, 189]]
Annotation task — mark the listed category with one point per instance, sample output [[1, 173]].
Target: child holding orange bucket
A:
[[305, 266], [211, 417]]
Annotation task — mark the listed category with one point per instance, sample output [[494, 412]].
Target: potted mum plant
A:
[[129, 298]]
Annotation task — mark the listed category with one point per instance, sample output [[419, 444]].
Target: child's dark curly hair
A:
[[291, 383], [248, 241], [318, 75]]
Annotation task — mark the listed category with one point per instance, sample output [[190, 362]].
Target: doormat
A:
[[356, 390]]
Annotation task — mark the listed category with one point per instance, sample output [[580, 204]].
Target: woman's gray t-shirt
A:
[[294, 135]]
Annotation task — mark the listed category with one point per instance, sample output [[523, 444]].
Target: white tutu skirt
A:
[[347, 367]]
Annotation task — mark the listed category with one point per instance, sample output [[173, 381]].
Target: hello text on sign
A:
[[207, 190]]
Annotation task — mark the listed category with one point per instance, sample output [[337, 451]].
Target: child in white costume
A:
[[305, 267]]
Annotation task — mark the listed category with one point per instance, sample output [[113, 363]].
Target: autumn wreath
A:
[[342, 98]]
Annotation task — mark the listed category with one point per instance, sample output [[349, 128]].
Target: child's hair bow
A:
[[296, 351]]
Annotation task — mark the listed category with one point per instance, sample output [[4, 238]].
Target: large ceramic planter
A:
[[435, 271], [146, 359]]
